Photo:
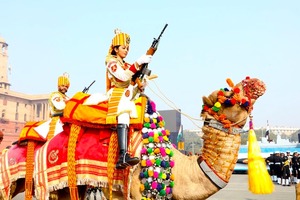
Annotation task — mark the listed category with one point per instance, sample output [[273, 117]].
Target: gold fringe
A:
[[52, 127], [111, 160], [29, 170], [258, 177], [72, 182]]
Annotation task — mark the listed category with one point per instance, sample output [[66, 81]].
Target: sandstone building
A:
[[17, 108]]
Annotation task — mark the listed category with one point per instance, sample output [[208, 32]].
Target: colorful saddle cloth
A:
[[91, 157], [13, 166], [13, 160]]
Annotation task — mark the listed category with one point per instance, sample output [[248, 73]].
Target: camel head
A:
[[232, 106]]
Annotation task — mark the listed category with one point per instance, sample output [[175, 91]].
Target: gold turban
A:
[[64, 80], [120, 39]]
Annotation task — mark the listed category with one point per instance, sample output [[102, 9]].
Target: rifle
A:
[[144, 69], [86, 89]]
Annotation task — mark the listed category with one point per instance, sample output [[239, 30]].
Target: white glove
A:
[[144, 59]]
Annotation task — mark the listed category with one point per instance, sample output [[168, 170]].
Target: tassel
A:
[[258, 177]]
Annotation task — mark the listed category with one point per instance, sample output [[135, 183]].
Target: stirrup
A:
[[123, 163]]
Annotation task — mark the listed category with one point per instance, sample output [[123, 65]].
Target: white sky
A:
[[205, 43]]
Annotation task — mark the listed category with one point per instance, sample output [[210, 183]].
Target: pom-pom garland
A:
[[157, 180], [235, 98]]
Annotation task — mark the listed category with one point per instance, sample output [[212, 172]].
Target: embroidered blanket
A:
[[91, 161], [13, 166]]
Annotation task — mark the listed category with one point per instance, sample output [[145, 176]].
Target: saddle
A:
[[96, 115]]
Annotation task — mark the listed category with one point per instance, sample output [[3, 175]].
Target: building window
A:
[[38, 109], [3, 113], [17, 116], [25, 117], [17, 107]]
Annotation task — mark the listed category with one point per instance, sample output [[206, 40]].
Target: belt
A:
[[57, 115]]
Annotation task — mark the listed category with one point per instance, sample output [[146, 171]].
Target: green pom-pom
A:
[[146, 174], [151, 139], [162, 193], [149, 150], [171, 184], [171, 154], [215, 109], [147, 186], [157, 162], [167, 164], [147, 125]]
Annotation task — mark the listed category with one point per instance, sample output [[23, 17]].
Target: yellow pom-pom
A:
[[168, 132], [147, 119], [142, 188], [166, 138], [150, 172], [145, 141], [217, 105], [156, 140], [156, 151], [143, 163], [172, 177], [168, 151]]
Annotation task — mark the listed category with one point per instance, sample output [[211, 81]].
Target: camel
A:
[[78, 159]]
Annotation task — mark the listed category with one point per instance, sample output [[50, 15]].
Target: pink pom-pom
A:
[[161, 138], [153, 106], [160, 118], [154, 185], [172, 163], [155, 174], [153, 126], [168, 190], [162, 151], [143, 151], [151, 134], [149, 163]]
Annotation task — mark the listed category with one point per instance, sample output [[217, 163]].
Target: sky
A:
[[205, 43]]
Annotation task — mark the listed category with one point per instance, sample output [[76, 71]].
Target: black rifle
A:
[[144, 69], [86, 89]]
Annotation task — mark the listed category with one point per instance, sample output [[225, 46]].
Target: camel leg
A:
[[18, 187], [116, 195], [64, 194]]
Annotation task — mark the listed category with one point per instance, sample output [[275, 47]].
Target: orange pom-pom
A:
[[229, 82]]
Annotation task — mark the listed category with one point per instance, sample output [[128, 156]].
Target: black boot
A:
[[124, 158]]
